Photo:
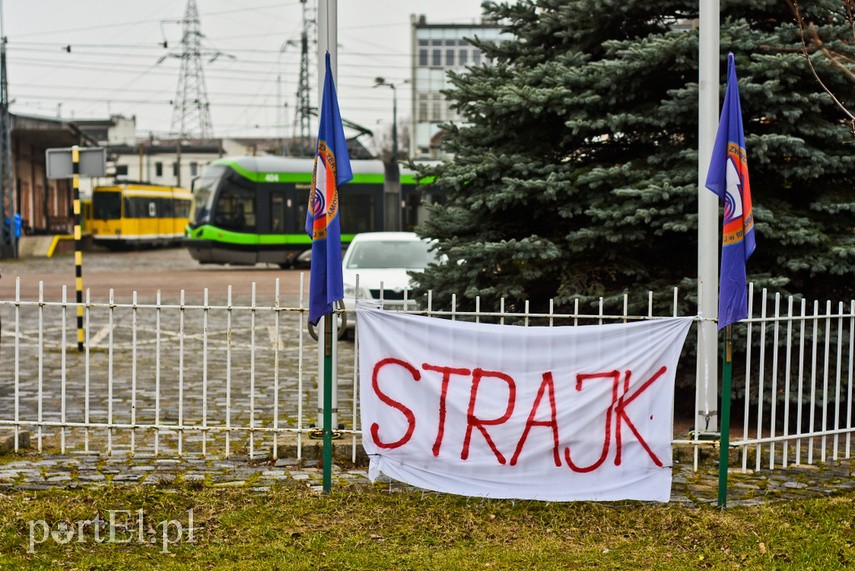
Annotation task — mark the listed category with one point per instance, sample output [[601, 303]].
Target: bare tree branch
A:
[[818, 45]]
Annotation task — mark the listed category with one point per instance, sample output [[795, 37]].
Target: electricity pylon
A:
[[191, 113], [302, 111]]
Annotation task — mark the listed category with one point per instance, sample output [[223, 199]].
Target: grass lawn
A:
[[373, 527]]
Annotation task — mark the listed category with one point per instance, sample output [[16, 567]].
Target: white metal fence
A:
[[225, 377], [161, 378], [795, 391]]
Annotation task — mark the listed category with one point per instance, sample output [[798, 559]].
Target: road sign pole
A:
[[78, 243], [73, 163]]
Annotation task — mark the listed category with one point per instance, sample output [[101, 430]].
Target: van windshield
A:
[[406, 254]]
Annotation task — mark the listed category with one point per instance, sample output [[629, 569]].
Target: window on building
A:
[[194, 169], [423, 53], [436, 107], [175, 169], [436, 53], [158, 169], [422, 114], [121, 170], [476, 56], [464, 56], [449, 57]]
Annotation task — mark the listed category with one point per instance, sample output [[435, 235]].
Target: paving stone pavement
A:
[[31, 471]]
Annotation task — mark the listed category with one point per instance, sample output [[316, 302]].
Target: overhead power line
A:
[[114, 25]]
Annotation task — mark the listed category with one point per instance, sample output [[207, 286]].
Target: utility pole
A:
[[8, 237], [392, 183], [279, 120], [282, 105], [381, 81]]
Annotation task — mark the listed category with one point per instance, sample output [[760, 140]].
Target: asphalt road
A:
[[168, 270]]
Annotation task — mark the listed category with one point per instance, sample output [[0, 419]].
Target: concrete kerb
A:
[[313, 449], [28, 470]]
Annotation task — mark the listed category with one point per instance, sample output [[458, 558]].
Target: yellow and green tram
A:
[[135, 214]]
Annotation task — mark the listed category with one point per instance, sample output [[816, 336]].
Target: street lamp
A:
[[392, 184], [381, 81]]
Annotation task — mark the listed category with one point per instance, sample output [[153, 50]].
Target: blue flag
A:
[[332, 169], [728, 178]]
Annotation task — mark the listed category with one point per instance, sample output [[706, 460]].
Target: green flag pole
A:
[[724, 451], [328, 430]]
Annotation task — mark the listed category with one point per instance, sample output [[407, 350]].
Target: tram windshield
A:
[[107, 205], [235, 207], [203, 192]]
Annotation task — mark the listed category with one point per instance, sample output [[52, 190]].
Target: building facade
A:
[[436, 50], [44, 205], [150, 160]]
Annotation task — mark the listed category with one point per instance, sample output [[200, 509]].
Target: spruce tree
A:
[[574, 173]]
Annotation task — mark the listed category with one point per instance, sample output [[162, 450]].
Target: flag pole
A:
[[327, 42], [708, 100], [724, 449], [328, 383]]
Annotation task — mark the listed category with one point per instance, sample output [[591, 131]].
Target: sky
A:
[[116, 62]]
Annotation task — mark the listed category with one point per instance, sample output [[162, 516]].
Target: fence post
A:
[[724, 448]]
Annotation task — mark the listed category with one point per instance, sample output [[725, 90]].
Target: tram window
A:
[[165, 208], [357, 213], [107, 205], [277, 212], [235, 209], [301, 206], [182, 208], [136, 207]]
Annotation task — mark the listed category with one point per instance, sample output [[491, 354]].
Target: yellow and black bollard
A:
[[78, 243]]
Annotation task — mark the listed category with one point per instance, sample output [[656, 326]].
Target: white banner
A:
[[545, 413]]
